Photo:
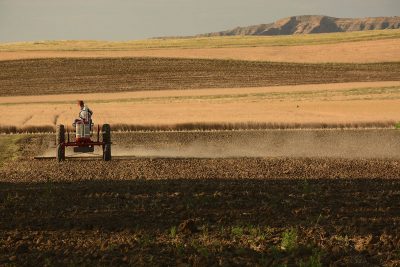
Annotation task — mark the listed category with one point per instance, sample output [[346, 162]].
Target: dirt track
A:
[[61, 76], [232, 211]]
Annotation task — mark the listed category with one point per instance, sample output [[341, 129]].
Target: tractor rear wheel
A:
[[60, 134], [107, 152], [60, 153], [106, 133]]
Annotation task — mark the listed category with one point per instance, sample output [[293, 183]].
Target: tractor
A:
[[83, 142]]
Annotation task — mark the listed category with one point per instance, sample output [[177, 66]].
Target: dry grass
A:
[[8, 147], [387, 50], [250, 126], [202, 42], [231, 108], [9, 129], [212, 126], [362, 89]]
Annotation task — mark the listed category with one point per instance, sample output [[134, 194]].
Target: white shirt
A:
[[85, 114]]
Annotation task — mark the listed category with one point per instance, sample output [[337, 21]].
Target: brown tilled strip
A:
[[78, 75]]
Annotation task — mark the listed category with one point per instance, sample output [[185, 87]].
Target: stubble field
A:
[[320, 105], [352, 47]]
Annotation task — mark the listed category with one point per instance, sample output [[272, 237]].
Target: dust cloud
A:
[[361, 143], [365, 143]]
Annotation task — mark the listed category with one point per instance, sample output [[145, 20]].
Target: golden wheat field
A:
[[318, 103], [339, 51]]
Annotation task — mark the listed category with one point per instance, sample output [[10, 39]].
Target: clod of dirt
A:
[[188, 227], [22, 248]]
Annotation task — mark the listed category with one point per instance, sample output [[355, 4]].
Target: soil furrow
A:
[[71, 75]]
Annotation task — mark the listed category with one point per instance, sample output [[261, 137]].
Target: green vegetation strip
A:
[[380, 93], [9, 147], [202, 42]]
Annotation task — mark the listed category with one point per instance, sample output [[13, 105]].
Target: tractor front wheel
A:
[[60, 153], [60, 134], [106, 133], [106, 136], [107, 152], [60, 140]]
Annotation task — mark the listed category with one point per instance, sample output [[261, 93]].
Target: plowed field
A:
[[239, 211], [60, 76]]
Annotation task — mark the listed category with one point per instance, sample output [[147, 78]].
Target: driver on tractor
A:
[[85, 115]]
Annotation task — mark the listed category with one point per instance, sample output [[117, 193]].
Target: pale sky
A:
[[28, 20]]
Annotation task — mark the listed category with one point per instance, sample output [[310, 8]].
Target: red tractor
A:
[[83, 142]]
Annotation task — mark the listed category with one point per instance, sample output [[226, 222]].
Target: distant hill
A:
[[312, 24]]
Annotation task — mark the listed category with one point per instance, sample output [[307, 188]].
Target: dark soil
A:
[[74, 75], [200, 212], [200, 222]]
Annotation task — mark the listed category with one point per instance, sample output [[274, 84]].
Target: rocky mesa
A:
[[313, 24]]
